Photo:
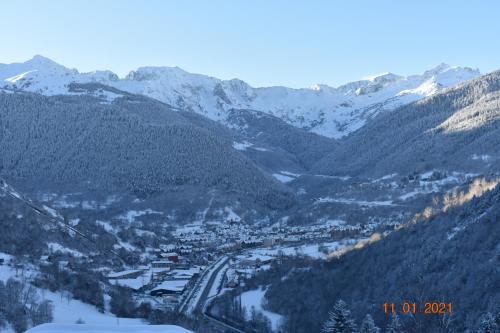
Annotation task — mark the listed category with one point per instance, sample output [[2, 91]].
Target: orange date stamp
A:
[[426, 308]]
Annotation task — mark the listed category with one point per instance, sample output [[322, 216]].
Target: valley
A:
[[174, 198]]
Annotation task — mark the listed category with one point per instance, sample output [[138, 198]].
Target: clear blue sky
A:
[[264, 42]]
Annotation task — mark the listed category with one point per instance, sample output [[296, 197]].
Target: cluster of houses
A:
[[174, 268], [165, 278], [224, 237]]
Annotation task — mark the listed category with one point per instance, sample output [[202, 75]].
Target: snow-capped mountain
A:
[[332, 112]]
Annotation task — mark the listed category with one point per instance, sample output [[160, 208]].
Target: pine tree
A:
[[368, 325], [487, 324], [395, 325], [340, 320]]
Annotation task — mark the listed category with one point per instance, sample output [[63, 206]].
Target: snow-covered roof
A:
[[123, 273], [172, 285], [135, 284], [190, 271]]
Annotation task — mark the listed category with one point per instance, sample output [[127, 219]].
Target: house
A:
[[268, 242], [346, 231], [169, 287], [254, 260], [161, 264], [172, 256], [159, 274], [184, 274]]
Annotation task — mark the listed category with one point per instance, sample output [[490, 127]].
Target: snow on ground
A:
[[283, 178], [242, 145], [131, 215], [141, 232], [384, 178], [291, 174], [5, 271], [125, 245], [68, 311], [333, 112], [219, 279], [56, 247], [172, 285], [286, 176], [333, 223], [65, 201], [355, 202], [231, 215], [425, 185], [106, 225], [344, 178], [316, 250], [484, 158], [188, 228], [202, 285], [136, 283], [255, 298], [122, 328], [51, 211]]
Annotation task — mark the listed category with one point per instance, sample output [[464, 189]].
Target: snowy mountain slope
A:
[[45, 76], [332, 112], [457, 130]]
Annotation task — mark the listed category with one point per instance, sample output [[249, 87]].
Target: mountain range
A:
[[328, 111]]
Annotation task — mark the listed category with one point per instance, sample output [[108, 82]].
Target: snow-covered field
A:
[[255, 298], [315, 250], [66, 309], [131, 215], [283, 178]]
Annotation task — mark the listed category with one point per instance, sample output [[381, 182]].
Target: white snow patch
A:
[[355, 202], [56, 247], [386, 177], [484, 157], [131, 215], [344, 178], [255, 299], [283, 178], [242, 145]]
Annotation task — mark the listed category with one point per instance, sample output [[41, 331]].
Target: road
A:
[[202, 302], [195, 303], [197, 296]]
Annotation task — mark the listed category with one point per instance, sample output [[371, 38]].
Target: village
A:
[[179, 273]]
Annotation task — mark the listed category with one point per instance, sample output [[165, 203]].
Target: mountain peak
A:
[[377, 76], [42, 61]]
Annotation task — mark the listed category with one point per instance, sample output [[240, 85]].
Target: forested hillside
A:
[[457, 129], [131, 143], [306, 147], [446, 255]]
